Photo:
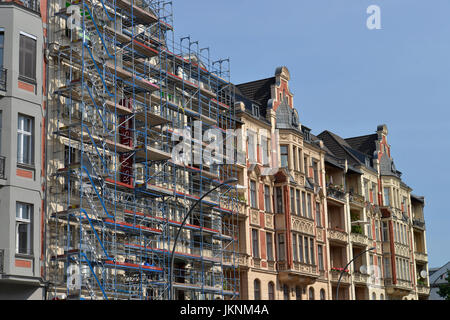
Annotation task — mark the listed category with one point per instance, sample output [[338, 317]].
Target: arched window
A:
[[322, 295], [257, 289], [381, 296], [286, 292], [271, 291], [311, 293], [298, 292], [374, 296]]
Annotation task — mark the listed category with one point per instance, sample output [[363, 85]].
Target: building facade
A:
[[22, 87], [94, 103], [332, 201]]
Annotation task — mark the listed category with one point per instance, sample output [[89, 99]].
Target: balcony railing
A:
[[334, 275], [2, 167], [359, 239], [420, 256], [335, 193], [419, 223], [3, 77], [421, 289], [360, 278], [34, 5], [337, 235], [357, 199]]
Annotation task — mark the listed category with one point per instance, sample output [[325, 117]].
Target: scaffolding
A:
[[120, 89]]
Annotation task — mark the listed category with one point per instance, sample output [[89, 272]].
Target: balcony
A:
[[359, 239], [3, 77], [336, 192], [421, 256], [357, 199], [419, 223], [401, 288], [360, 278], [338, 235], [33, 5], [335, 274], [423, 290], [300, 273]]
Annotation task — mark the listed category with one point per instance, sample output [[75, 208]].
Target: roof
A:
[[364, 144], [436, 276], [339, 147], [258, 91]]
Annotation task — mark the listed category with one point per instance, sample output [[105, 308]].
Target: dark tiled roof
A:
[[258, 91], [364, 144], [339, 147]]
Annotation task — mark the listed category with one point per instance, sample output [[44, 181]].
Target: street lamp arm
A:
[[345, 268], [172, 258]]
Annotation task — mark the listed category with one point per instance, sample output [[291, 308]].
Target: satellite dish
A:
[[423, 274], [363, 269]]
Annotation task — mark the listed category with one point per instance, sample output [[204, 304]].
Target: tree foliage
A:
[[444, 289]]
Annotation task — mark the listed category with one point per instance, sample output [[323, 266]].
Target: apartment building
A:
[[284, 248], [22, 84], [331, 201], [375, 222]]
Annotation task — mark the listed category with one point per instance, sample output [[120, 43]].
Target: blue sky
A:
[[348, 79]]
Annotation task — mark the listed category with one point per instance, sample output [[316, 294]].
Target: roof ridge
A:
[[244, 83], [333, 135]]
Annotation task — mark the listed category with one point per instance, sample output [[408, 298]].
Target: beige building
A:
[[332, 201]]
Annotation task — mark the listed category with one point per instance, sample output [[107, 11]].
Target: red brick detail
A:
[[261, 197], [262, 238], [24, 173], [262, 221], [264, 264], [26, 86], [23, 263]]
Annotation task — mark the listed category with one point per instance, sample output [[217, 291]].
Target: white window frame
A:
[[22, 220], [21, 134]]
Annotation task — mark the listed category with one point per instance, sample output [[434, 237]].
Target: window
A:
[[1, 124], [316, 171], [281, 248], [271, 291], [375, 193], [294, 246], [2, 39], [311, 247], [387, 268], [306, 250], [295, 159], [253, 201], [320, 257], [292, 201], [255, 242], [303, 203], [251, 146], [269, 245], [385, 231], [311, 293], [299, 208], [257, 289], [322, 295], [309, 206], [381, 297], [369, 230], [300, 246], [255, 110], [284, 156], [25, 140], [298, 293], [377, 230], [27, 57], [366, 190], [386, 198], [279, 198], [374, 296], [24, 213], [285, 292], [305, 165], [267, 202], [318, 220], [379, 266]]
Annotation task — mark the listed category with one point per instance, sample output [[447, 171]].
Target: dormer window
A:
[[255, 110]]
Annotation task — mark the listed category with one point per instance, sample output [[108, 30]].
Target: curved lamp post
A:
[[172, 258], [342, 272]]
